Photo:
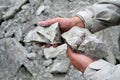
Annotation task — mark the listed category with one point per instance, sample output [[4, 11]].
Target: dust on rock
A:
[[18, 23]]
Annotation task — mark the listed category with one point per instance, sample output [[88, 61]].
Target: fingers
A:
[[48, 22], [46, 45]]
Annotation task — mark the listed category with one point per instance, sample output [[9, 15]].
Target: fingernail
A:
[[40, 23]]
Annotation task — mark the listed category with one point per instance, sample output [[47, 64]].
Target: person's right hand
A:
[[64, 23]]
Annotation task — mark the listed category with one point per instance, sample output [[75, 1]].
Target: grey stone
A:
[[34, 5], [18, 34], [40, 9], [81, 40], [24, 19], [60, 66], [31, 56], [75, 36], [54, 52], [110, 37], [12, 55], [49, 35], [13, 10], [74, 75], [47, 62], [1, 15], [26, 6]]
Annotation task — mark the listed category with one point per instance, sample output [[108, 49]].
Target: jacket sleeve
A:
[[102, 70], [101, 15]]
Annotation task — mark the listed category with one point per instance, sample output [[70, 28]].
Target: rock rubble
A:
[[26, 61]]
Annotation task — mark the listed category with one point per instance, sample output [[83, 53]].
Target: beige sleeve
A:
[[102, 70], [101, 15]]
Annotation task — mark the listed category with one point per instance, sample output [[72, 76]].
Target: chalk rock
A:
[[60, 66], [12, 55], [47, 62], [54, 52], [13, 10], [49, 34], [74, 37], [40, 10], [31, 56], [81, 40]]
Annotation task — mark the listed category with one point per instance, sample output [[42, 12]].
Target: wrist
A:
[[77, 21]]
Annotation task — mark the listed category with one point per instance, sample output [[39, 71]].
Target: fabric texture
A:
[[97, 17], [101, 15]]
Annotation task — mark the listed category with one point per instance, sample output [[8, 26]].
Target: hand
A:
[[79, 61], [65, 23]]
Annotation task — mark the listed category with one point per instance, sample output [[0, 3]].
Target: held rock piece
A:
[[54, 52], [81, 40], [50, 35]]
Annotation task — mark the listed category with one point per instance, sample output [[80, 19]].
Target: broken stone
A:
[[60, 66], [74, 74], [74, 37], [54, 52], [12, 11], [49, 35], [47, 62], [12, 55], [26, 6], [31, 56], [40, 10], [81, 40]]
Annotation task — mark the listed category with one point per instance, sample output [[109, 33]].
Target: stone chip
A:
[[60, 66], [54, 52], [50, 35], [81, 40], [12, 55]]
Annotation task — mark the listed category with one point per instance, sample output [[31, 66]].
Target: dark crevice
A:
[[13, 35], [35, 25], [15, 12], [23, 73], [1, 20], [119, 42], [22, 43]]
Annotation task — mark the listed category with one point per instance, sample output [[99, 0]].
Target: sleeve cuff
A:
[[97, 68], [86, 16]]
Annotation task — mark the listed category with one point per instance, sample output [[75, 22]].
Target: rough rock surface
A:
[[61, 66], [54, 52], [50, 35], [12, 56], [19, 24], [82, 40], [13, 10]]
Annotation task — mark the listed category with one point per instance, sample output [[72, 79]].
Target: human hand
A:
[[79, 61], [65, 23]]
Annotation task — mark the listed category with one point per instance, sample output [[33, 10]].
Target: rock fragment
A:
[[54, 52], [40, 10], [81, 40], [31, 56], [49, 35], [12, 11], [47, 62], [60, 66], [12, 55]]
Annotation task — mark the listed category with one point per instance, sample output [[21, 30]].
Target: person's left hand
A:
[[78, 60]]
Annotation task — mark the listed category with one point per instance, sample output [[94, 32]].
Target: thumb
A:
[[48, 22], [69, 51]]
